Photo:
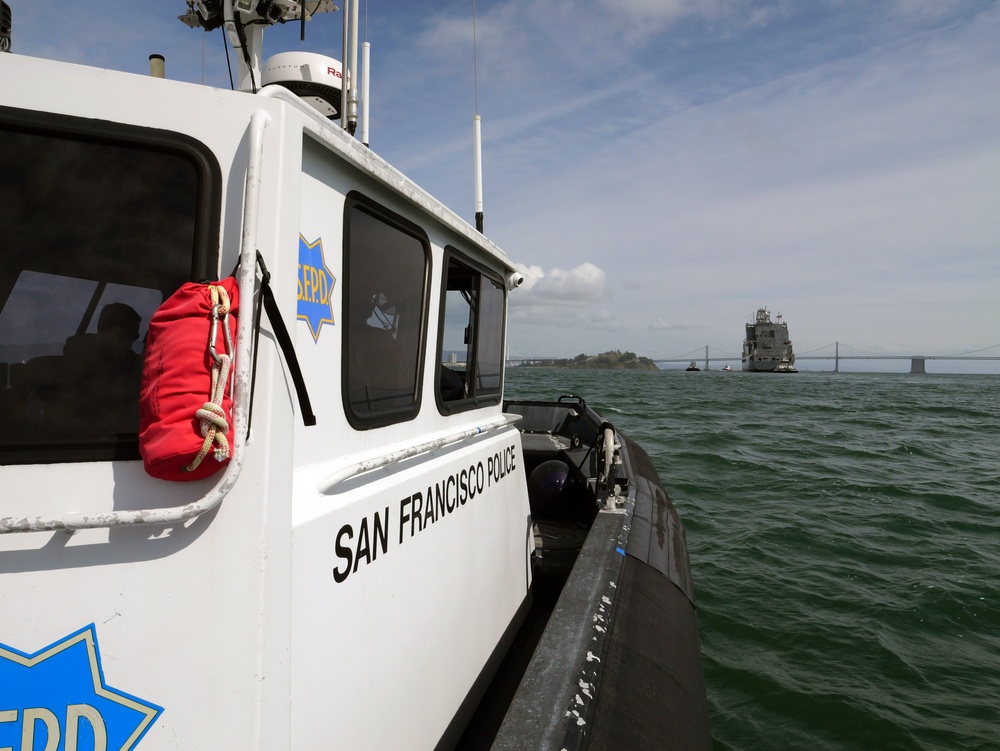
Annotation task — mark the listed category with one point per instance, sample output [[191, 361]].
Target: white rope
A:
[[214, 425]]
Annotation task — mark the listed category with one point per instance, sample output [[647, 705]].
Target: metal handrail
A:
[[241, 402], [329, 482]]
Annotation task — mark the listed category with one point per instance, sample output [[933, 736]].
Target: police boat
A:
[[261, 488]]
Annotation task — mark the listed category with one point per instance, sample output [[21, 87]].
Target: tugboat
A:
[[692, 367], [785, 366], [252, 497], [767, 345]]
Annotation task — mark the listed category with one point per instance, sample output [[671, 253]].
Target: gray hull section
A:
[[761, 365]]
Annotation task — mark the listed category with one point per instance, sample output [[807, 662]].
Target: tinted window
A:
[[386, 273], [98, 228], [471, 339]]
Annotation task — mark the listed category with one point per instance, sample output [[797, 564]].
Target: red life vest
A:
[[177, 382]]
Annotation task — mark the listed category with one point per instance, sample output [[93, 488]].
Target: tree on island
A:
[[610, 360]]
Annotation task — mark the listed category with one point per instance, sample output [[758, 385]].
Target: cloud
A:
[[659, 324], [564, 311], [579, 286], [640, 21], [531, 275]]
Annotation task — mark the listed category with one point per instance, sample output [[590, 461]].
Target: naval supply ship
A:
[[767, 347]]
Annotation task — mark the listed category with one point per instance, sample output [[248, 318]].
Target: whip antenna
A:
[[349, 87], [477, 133], [366, 73], [352, 73]]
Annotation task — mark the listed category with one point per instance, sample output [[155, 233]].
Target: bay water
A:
[[844, 536]]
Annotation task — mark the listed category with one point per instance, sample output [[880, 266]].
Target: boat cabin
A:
[[355, 566]]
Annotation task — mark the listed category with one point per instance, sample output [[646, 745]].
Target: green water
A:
[[845, 545]]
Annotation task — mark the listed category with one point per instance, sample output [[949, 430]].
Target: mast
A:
[[243, 23]]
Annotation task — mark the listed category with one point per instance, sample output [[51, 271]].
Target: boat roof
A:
[[83, 77]]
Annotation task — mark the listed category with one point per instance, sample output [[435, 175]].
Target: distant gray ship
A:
[[767, 348]]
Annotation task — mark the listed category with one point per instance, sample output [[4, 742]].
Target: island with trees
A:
[[613, 360]]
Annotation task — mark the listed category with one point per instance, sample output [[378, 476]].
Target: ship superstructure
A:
[[767, 347]]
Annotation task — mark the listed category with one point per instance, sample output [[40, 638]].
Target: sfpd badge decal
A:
[[315, 296], [56, 698]]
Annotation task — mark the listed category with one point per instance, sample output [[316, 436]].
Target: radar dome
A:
[[315, 78]]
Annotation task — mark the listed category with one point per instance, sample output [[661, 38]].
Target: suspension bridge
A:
[[832, 352]]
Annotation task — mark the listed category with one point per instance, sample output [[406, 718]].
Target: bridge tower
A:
[[917, 365]]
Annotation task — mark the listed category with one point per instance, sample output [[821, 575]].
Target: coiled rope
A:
[[214, 425]]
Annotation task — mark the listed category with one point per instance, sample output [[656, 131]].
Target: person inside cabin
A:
[[361, 354], [106, 370], [451, 385], [376, 376], [117, 330]]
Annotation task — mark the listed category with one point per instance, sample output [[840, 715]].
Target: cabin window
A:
[[386, 270], [99, 223], [470, 362]]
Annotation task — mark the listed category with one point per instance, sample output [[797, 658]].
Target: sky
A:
[[659, 169]]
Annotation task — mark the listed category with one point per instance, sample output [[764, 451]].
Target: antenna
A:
[[352, 72], [366, 77], [344, 68], [477, 132], [366, 70], [349, 93], [477, 149]]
